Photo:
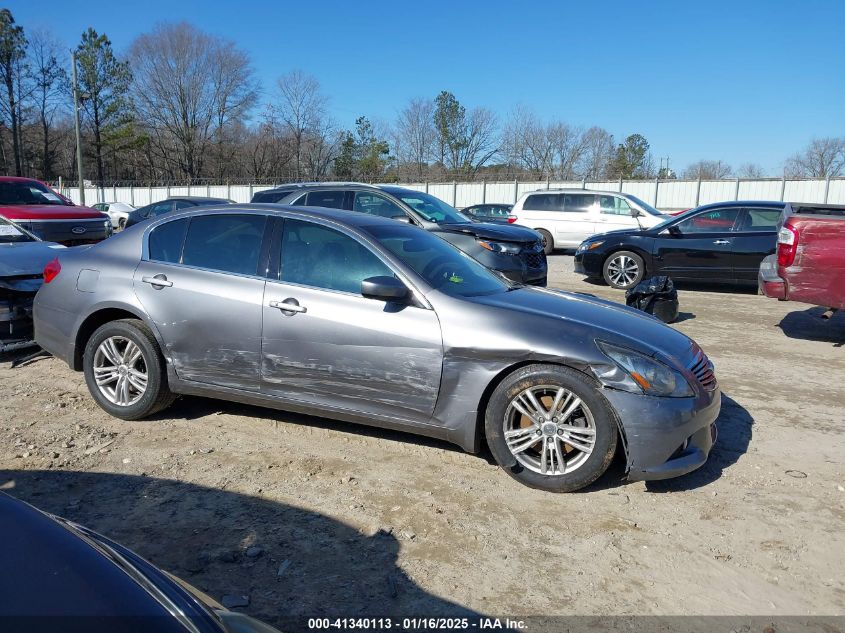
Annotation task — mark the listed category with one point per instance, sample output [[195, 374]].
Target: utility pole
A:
[[76, 124]]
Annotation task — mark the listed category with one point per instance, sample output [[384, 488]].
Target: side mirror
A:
[[674, 231], [401, 218], [635, 213], [384, 288]]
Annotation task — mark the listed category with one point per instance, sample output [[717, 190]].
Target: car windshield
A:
[[431, 209], [442, 265], [645, 206], [12, 234], [27, 192]]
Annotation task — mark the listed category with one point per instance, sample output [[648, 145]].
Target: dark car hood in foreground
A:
[[23, 260], [618, 233], [490, 231], [642, 332]]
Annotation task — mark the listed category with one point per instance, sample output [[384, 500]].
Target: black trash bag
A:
[[656, 296]]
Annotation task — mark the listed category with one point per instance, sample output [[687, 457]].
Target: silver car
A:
[[365, 319]]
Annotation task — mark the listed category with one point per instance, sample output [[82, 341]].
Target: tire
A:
[[121, 224], [623, 270], [524, 462], [548, 241], [131, 355]]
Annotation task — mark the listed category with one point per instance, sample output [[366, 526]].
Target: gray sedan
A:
[[369, 320]]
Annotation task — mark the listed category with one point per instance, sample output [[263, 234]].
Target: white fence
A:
[[666, 195]]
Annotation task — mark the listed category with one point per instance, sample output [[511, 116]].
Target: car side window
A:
[[613, 205], [165, 241], [160, 208], [577, 203], [327, 199], [317, 256], [760, 220], [366, 202], [228, 243], [714, 221], [543, 202], [183, 204]]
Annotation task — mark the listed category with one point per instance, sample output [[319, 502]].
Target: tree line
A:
[[183, 105]]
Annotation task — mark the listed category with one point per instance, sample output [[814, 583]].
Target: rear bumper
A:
[[769, 282], [666, 437]]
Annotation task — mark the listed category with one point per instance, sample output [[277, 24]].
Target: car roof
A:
[[56, 571], [744, 203], [298, 186], [194, 199], [350, 218]]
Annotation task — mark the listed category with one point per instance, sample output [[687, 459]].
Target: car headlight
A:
[[639, 373], [500, 247], [588, 246]]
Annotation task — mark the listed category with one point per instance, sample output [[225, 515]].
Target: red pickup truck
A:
[[52, 217], [810, 262]]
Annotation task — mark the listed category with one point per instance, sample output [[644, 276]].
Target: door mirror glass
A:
[[635, 213], [401, 218], [675, 231], [384, 288]]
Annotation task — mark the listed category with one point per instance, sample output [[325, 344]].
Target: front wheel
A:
[[550, 428], [124, 370], [623, 270]]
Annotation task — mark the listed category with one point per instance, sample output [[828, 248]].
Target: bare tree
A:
[[47, 94], [189, 86], [302, 107], [598, 152], [12, 67], [707, 170], [415, 136], [750, 170], [822, 158], [528, 143]]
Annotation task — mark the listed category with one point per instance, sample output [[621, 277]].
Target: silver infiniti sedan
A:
[[369, 320]]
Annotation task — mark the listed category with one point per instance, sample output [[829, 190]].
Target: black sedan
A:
[[171, 204], [723, 242], [60, 576]]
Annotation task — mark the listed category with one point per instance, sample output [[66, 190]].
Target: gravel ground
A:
[[298, 515]]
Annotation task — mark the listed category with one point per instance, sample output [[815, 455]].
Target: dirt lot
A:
[[308, 516]]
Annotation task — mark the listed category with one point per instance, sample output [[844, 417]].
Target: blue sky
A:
[[741, 81]]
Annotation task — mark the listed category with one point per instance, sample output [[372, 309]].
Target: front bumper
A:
[[16, 330], [588, 263], [666, 437], [769, 282], [527, 268]]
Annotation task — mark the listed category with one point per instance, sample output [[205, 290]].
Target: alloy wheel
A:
[[120, 371], [623, 270], [549, 430]]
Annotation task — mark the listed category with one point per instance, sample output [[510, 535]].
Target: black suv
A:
[[514, 251]]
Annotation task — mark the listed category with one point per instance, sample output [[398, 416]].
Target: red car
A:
[[49, 215], [810, 261]]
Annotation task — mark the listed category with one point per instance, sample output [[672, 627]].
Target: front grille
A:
[[533, 259], [702, 369]]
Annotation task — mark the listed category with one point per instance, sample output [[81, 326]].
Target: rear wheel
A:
[[550, 428], [623, 269], [125, 371], [121, 224], [548, 241]]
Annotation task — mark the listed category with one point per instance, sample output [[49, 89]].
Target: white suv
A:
[[566, 217]]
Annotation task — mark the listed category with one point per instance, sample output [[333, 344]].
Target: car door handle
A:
[[159, 280], [288, 305], [722, 242]]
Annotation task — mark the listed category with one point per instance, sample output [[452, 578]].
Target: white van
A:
[[566, 217]]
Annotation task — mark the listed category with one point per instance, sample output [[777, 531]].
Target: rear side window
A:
[[543, 202], [228, 243], [165, 243], [760, 220], [327, 199], [577, 203], [316, 256], [715, 221], [269, 196]]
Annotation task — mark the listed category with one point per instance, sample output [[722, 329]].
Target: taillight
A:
[[512, 219], [51, 270], [787, 245]]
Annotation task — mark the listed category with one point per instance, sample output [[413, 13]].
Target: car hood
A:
[[25, 259], [616, 233], [50, 212], [620, 324], [491, 231]]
